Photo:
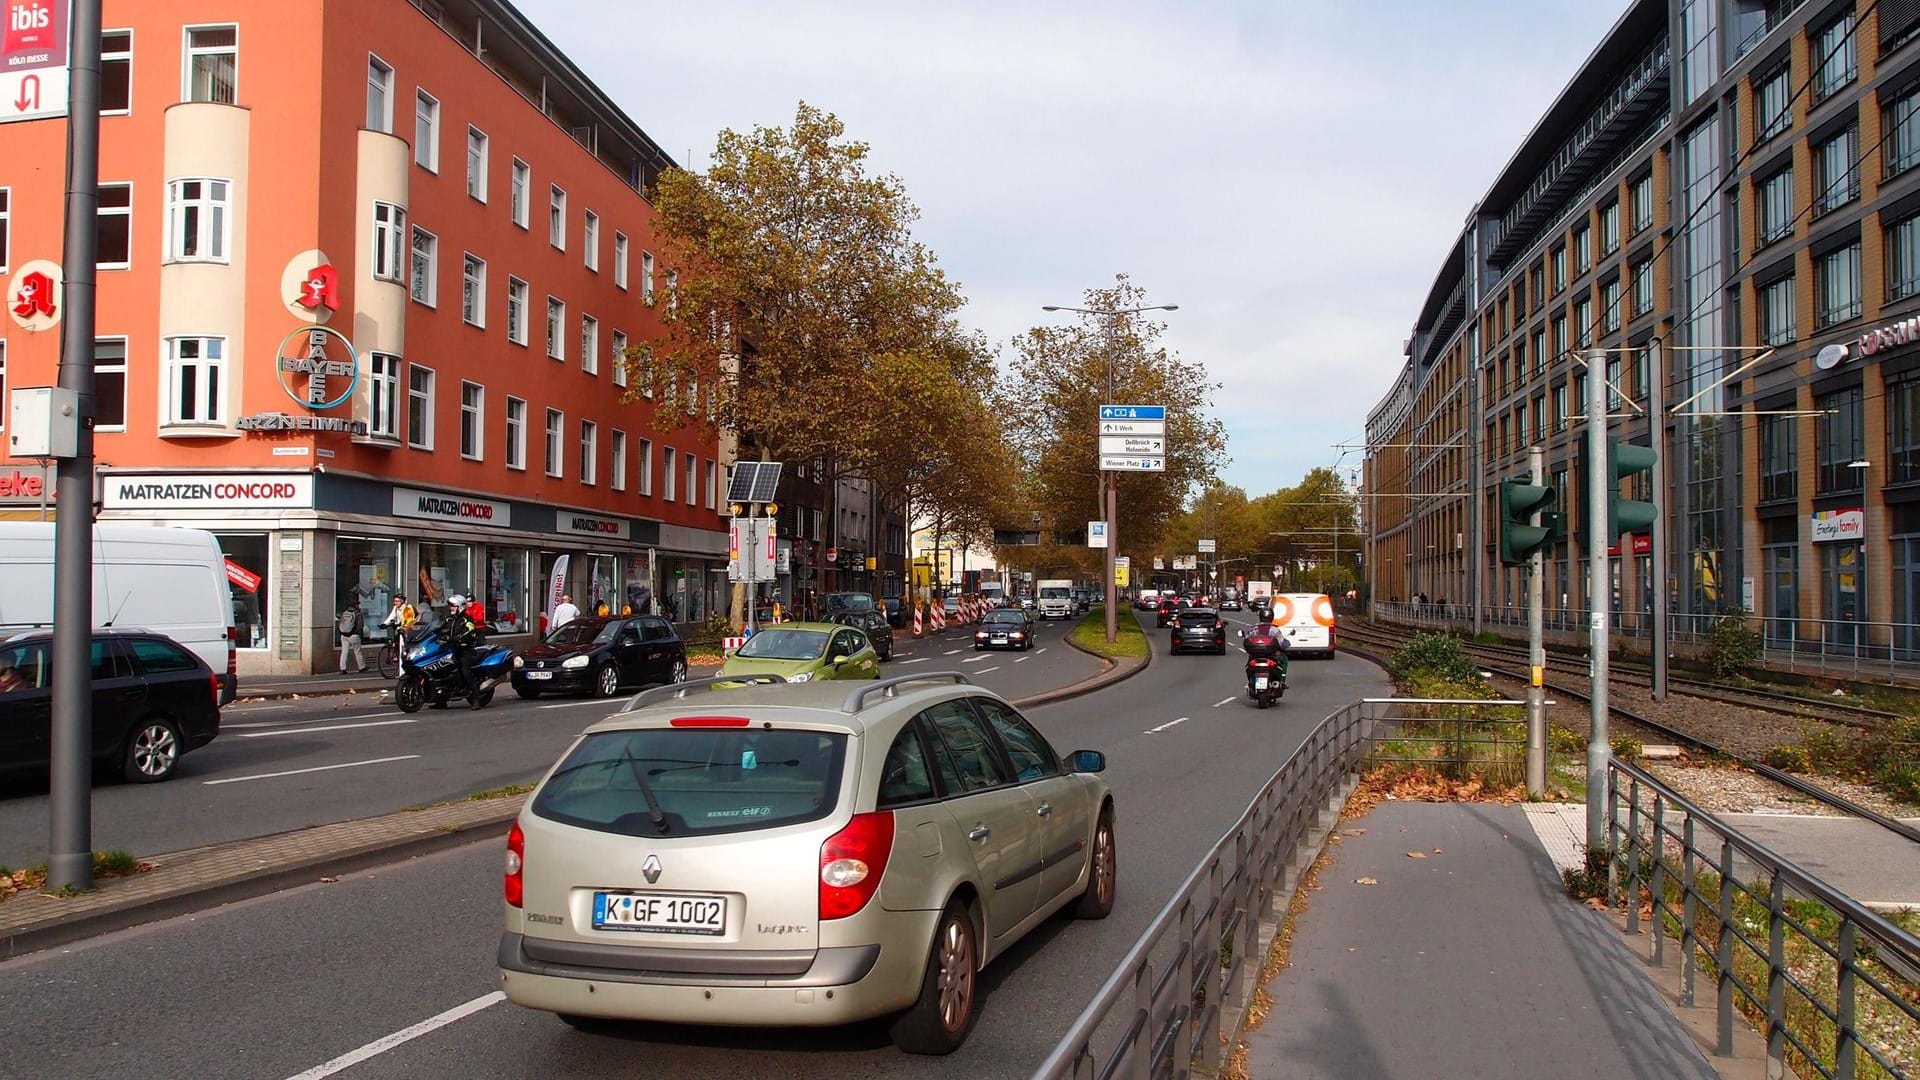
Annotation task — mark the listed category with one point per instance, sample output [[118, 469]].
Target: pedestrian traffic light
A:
[[1519, 536], [1628, 515]]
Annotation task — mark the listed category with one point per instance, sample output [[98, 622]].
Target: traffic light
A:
[[1519, 537], [1628, 515]]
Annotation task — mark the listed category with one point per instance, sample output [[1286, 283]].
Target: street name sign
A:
[[1127, 463], [1132, 446], [1207, 547]]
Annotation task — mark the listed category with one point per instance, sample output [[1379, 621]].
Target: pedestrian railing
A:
[[1830, 983], [1179, 997]]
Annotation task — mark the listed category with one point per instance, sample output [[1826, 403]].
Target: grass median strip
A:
[[1091, 634], [106, 864]]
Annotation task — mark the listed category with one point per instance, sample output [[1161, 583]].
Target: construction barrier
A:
[[729, 644], [939, 618], [918, 630]]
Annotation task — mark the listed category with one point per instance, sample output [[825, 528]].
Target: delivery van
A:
[[1306, 621], [168, 581], [1056, 599]]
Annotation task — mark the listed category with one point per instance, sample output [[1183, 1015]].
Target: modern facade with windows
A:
[[1724, 199], [316, 265]]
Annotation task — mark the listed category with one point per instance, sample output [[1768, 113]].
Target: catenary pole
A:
[[1536, 648], [1597, 533], [1657, 415], [1113, 499]]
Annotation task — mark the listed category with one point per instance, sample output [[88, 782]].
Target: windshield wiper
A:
[[654, 813]]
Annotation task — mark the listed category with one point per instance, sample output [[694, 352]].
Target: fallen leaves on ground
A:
[[34, 879], [1366, 881], [1416, 854], [1423, 785]]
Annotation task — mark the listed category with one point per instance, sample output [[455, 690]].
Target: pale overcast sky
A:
[[1291, 174]]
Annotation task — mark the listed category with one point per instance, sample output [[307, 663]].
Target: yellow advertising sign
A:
[[1121, 574]]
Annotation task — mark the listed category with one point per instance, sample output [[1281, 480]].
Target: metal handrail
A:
[[679, 689], [858, 699]]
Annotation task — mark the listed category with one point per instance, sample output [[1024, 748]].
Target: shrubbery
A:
[[1733, 645]]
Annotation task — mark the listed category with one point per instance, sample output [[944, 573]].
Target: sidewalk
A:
[[1469, 960], [284, 686]]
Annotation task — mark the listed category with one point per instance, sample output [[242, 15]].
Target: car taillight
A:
[[851, 863], [516, 885], [213, 685]]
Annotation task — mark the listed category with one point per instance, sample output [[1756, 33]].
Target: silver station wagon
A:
[[799, 855]]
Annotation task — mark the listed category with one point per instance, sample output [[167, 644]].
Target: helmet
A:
[[457, 600]]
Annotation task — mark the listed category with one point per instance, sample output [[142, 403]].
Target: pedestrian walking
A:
[[350, 623], [565, 612]]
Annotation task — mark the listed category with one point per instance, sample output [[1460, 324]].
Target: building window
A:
[[644, 463], [1559, 336], [518, 192], [673, 292], [1610, 305], [620, 260], [1780, 467], [197, 220], [693, 493], [1837, 441], [389, 241], [1559, 269], [516, 311], [1642, 372], [212, 64], [516, 433], [556, 424], [1837, 276], [589, 345], [590, 240], [426, 131], [422, 271], [1643, 287], [557, 217], [1610, 228], [619, 357], [114, 234], [379, 95], [473, 291], [3, 383], [6, 220], [419, 407], [1903, 430], [196, 380], [713, 484], [1643, 203], [476, 163], [116, 72], [556, 329], [1583, 321], [646, 277], [383, 383], [589, 451], [1903, 257], [1560, 414], [668, 461], [1835, 170], [617, 457], [473, 400], [109, 384], [1835, 57], [1772, 101], [1582, 250], [1776, 207], [1776, 312]]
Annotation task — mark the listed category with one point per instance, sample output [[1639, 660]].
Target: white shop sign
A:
[[567, 521], [1831, 525], [208, 491], [444, 506]]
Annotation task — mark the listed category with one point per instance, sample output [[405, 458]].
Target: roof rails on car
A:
[[890, 687], [679, 689]]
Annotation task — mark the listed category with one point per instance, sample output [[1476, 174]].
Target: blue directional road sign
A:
[[1133, 412]]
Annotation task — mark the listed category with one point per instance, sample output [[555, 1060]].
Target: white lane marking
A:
[[405, 1035], [974, 659], [984, 670], [1165, 726], [1225, 701], [316, 768], [950, 652], [307, 730], [1040, 650], [917, 660], [1023, 659], [258, 708], [309, 720], [604, 702]]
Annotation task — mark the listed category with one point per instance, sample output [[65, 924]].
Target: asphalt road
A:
[[287, 983], [282, 765]]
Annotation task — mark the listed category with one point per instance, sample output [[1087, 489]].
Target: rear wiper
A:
[[654, 813]]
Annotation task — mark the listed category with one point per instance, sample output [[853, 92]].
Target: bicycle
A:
[[389, 659]]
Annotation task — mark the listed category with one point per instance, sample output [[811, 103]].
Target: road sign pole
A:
[[70, 779], [1597, 533], [1536, 649]]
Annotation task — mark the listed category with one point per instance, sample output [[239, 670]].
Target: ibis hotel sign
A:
[[319, 370], [1871, 343], [33, 59]]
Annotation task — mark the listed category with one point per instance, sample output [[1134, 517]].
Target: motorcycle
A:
[[1266, 675], [430, 674]]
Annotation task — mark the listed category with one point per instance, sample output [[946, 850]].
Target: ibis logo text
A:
[[33, 32]]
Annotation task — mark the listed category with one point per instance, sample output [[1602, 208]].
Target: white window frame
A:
[[214, 232], [423, 289], [380, 77], [646, 277], [474, 314], [517, 296], [189, 53], [477, 171], [556, 329], [693, 478], [616, 354], [644, 464], [617, 455], [392, 250], [713, 483], [519, 192], [620, 244], [383, 395], [669, 471], [590, 240], [100, 368], [589, 344], [126, 211], [171, 413], [517, 434], [6, 226], [556, 433], [420, 440], [589, 453], [110, 56], [473, 420], [3, 384], [426, 130], [557, 217]]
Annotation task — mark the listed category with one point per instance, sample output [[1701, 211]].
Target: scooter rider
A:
[[464, 636]]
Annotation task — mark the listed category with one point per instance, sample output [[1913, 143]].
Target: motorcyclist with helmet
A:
[[1265, 645], [464, 635]]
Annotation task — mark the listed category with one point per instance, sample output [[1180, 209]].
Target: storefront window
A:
[[603, 584], [367, 571], [637, 577], [509, 596], [248, 552], [444, 569]]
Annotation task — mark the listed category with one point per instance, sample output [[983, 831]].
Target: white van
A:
[[1056, 599], [1306, 621], [169, 581]]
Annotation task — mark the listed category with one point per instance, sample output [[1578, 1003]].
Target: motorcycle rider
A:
[[464, 636], [1266, 640]]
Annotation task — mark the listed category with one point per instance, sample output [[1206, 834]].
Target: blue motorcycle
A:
[[430, 674]]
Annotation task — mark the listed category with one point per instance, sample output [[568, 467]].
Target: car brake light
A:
[[516, 885], [709, 721], [851, 863]]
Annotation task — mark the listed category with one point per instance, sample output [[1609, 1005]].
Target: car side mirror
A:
[[1087, 761], [841, 659]]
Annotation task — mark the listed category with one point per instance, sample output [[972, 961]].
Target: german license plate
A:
[[660, 914], [539, 674], [1259, 682], [1000, 639]]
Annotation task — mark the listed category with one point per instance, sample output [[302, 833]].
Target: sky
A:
[[1291, 174]]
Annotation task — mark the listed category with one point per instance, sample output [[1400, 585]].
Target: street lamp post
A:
[[1108, 482]]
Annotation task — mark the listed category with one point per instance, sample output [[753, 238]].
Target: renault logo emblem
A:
[[651, 868]]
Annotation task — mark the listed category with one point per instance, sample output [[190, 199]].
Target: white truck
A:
[[1056, 599]]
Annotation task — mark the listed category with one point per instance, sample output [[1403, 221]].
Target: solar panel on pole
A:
[[754, 482]]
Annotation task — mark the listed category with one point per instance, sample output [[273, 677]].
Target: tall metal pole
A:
[[70, 791], [1657, 414], [1597, 532], [1536, 648], [1113, 499]]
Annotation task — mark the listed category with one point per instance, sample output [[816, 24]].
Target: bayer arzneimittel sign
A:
[[319, 369]]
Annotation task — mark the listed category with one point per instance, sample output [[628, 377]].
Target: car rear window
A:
[[160, 656], [706, 780], [1197, 617]]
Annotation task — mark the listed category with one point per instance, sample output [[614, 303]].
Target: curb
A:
[[324, 690], [65, 929], [1120, 671]]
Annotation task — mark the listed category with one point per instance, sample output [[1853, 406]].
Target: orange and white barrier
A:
[[939, 618], [728, 644], [918, 629]]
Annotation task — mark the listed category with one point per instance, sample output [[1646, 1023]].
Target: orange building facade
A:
[[365, 269]]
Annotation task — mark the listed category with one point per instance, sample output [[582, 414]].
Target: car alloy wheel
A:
[[957, 974], [608, 681], [152, 752]]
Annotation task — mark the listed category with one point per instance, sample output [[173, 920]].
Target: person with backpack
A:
[[351, 625]]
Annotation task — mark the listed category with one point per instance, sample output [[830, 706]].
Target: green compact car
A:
[[806, 652]]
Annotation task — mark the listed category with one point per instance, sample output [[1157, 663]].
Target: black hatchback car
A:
[[153, 701], [601, 654], [1199, 628], [876, 624], [1007, 628]]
